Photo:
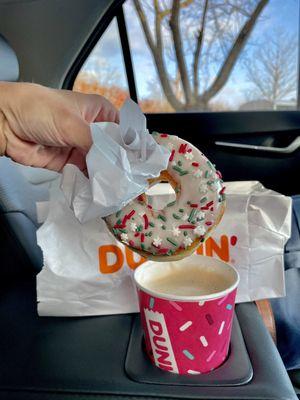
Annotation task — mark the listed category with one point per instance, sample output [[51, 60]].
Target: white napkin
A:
[[120, 162]]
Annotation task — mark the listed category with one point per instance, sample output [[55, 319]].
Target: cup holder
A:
[[236, 370]]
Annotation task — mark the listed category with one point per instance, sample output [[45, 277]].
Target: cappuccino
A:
[[192, 282]]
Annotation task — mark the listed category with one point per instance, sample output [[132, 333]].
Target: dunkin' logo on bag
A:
[[160, 341], [112, 258]]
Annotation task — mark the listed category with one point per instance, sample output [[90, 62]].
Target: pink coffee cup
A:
[[187, 334]]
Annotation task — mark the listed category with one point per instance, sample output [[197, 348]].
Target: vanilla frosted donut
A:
[[176, 231]]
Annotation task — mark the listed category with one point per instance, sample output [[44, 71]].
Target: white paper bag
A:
[[87, 272]]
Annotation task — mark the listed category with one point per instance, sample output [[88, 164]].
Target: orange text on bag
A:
[[112, 257]]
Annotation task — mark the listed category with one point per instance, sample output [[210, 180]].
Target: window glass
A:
[[214, 55], [103, 72]]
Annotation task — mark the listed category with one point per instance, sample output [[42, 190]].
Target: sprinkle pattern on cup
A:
[[197, 335], [221, 328], [185, 326], [188, 354], [175, 305], [203, 341], [209, 319]]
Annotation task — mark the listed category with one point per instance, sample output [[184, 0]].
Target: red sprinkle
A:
[[124, 220], [189, 150], [132, 212], [136, 234], [182, 148], [195, 164], [149, 206], [119, 226], [233, 240], [172, 155], [140, 198], [222, 190], [142, 237], [187, 226], [219, 174], [164, 135], [131, 243], [208, 223], [209, 204], [194, 205], [211, 209], [163, 251], [146, 221]]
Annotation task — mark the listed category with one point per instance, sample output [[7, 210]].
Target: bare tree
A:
[[203, 38], [100, 71], [272, 69]]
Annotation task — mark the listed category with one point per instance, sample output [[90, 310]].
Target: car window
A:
[[201, 55], [103, 71]]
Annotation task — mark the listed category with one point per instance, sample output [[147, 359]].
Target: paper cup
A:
[[187, 334]]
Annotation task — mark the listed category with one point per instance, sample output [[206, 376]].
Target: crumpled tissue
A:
[[121, 160]]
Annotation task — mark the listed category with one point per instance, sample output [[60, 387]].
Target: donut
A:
[[176, 231]]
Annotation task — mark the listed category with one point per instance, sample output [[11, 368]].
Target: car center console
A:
[[102, 357]]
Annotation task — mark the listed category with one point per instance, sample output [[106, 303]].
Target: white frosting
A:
[[200, 195]]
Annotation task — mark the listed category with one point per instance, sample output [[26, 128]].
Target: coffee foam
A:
[[186, 280], [196, 282]]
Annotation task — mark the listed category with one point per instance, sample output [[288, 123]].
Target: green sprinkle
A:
[[163, 227], [171, 204], [172, 241], [176, 216], [206, 174], [210, 164], [162, 217], [123, 230], [150, 234], [143, 247], [177, 169], [210, 182], [177, 189], [192, 215], [181, 210], [151, 224], [185, 233], [118, 213], [179, 163], [184, 173], [119, 221], [188, 202], [170, 252], [203, 200], [115, 231], [139, 228]]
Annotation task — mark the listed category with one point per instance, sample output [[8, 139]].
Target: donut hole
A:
[[159, 195]]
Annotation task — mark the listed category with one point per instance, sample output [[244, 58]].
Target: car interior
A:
[[50, 42]]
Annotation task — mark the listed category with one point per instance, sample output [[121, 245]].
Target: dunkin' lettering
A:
[[160, 341], [112, 257]]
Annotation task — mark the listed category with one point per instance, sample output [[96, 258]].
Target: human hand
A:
[[49, 128]]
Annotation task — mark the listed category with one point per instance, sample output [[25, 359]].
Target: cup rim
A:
[[212, 296]]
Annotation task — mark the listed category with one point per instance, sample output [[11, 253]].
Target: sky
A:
[[106, 61]]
